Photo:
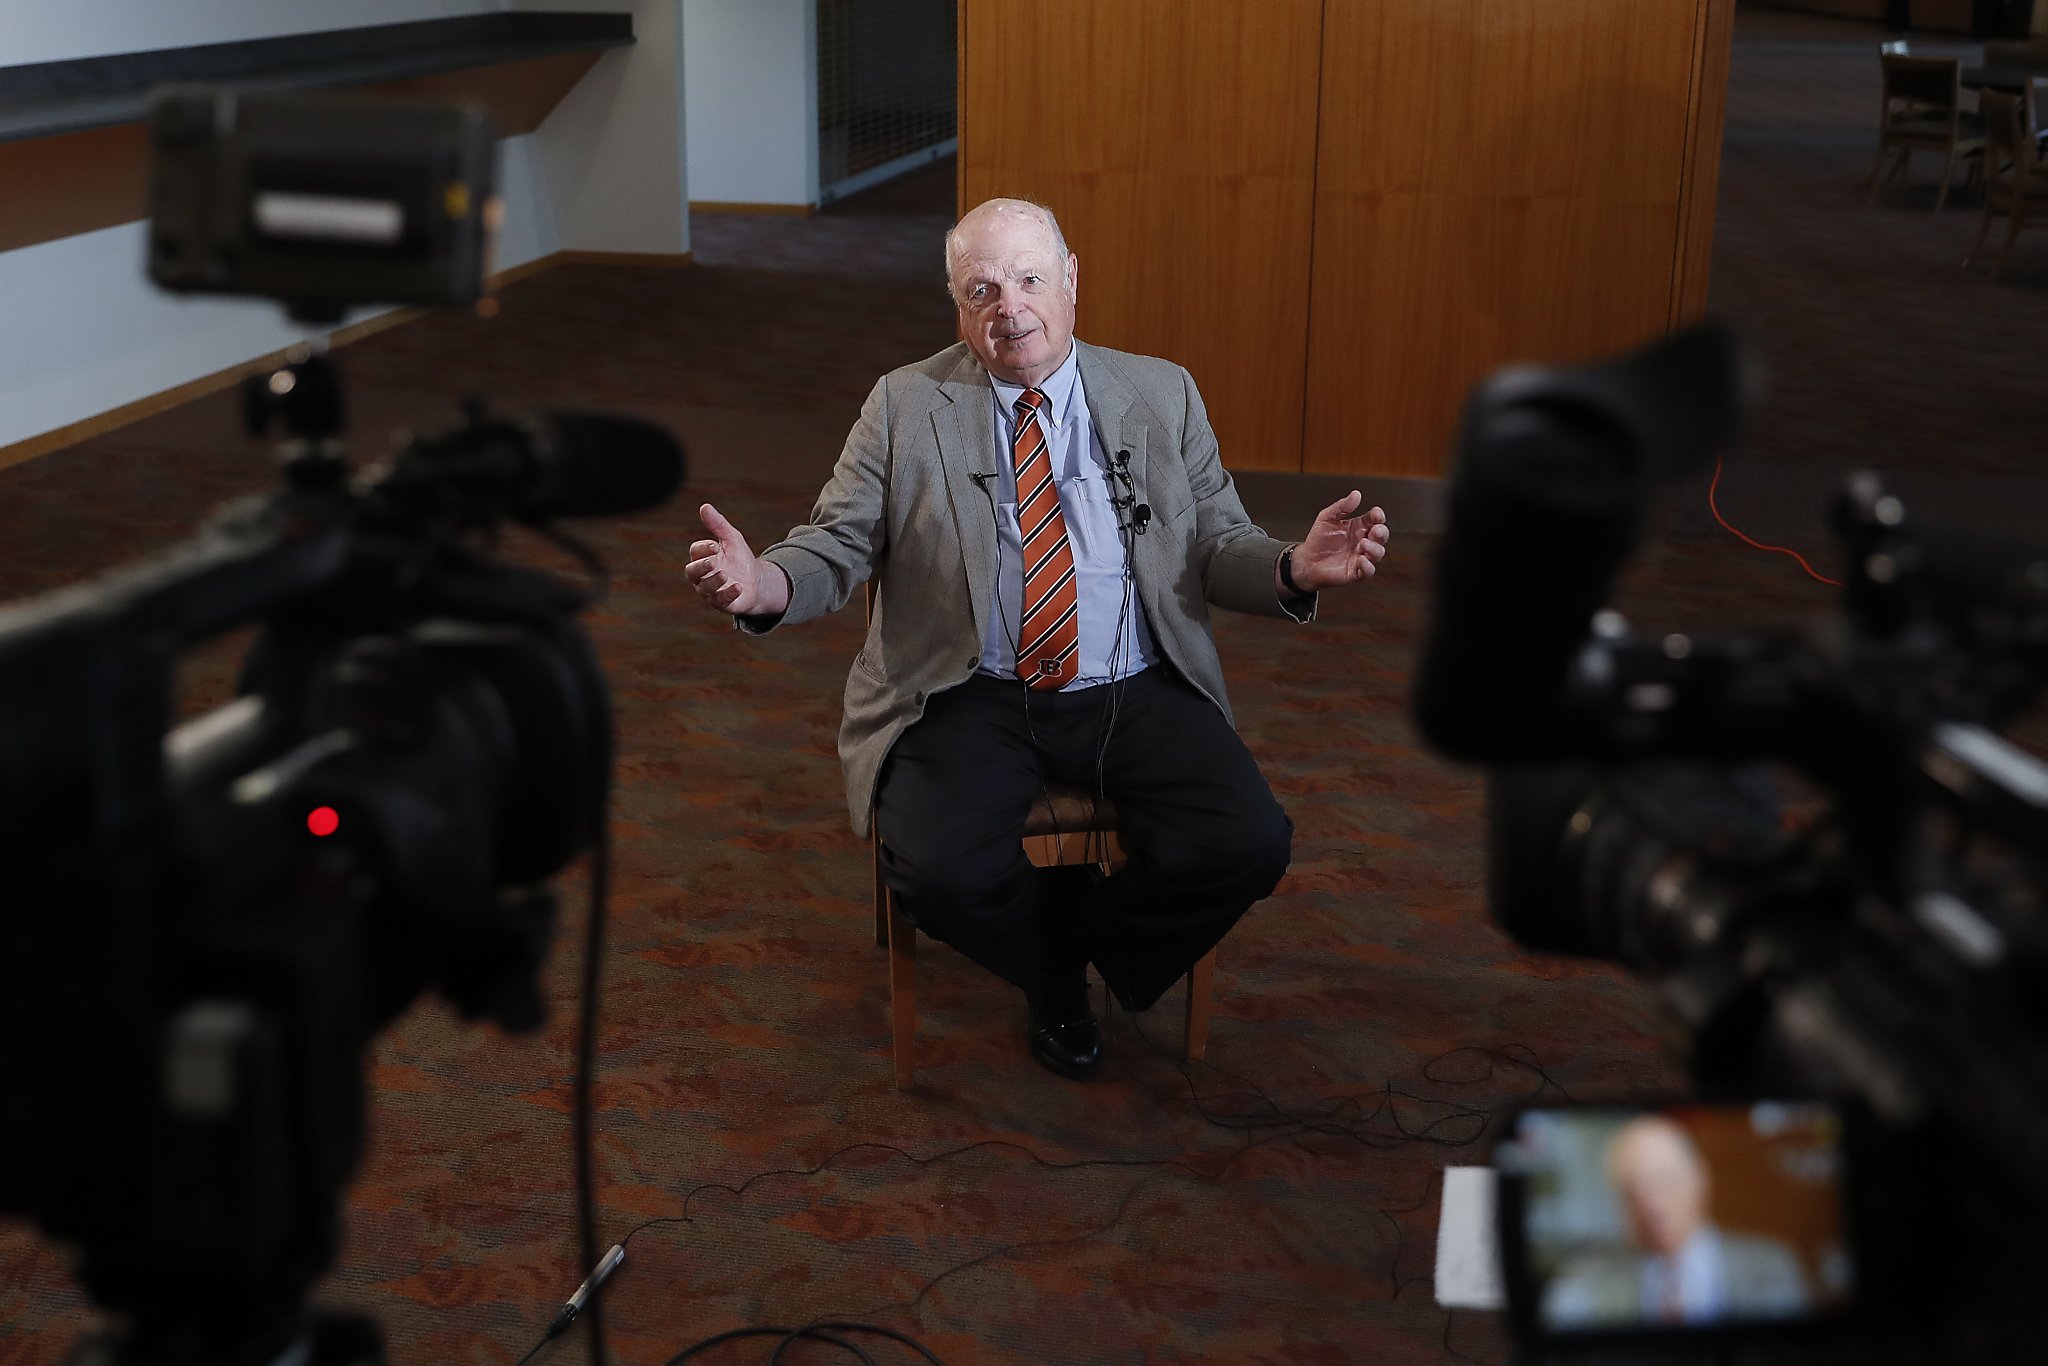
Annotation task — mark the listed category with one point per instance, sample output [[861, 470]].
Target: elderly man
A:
[[1683, 1270], [1047, 523]]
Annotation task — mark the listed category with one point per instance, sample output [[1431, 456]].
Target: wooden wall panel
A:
[[1176, 141], [1497, 181], [1707, 115], [73, 183]]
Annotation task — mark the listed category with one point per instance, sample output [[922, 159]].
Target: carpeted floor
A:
[[1277, 1205]]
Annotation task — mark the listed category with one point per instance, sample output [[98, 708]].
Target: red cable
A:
[[1715, 508]]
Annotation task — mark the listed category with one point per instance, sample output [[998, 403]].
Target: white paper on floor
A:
[[1467, 1250]]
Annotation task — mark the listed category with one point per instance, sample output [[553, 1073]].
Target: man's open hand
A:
[[726, 573], [1340, 548]]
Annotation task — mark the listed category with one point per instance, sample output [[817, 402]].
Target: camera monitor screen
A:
[[1688, 1218]]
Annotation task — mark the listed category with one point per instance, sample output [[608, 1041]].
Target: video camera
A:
[[1866, 986], [212, 920]]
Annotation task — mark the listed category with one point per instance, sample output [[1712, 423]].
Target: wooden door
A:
[[1497, 181], [1175, 139]]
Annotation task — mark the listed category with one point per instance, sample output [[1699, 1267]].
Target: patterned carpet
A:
[[1276, 1205]]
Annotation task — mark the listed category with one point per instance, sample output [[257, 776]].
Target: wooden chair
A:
[[1066, 827], [2016, 181], [2020, 57], [1922, 111]]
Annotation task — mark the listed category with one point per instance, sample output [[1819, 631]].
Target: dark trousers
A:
[[1202, 835]]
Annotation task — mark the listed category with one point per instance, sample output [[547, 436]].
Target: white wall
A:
[[81, 329], [750, 79], [610, 159]]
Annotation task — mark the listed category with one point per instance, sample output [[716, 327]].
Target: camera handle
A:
[[304, 395]]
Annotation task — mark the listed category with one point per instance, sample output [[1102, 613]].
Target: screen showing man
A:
[[1687, 1219]]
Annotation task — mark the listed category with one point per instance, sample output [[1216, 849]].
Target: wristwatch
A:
[[1287, 571]]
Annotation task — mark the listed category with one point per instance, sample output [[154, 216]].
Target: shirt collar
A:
[[1058, 389]]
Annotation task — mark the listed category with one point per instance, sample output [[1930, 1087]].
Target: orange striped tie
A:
[[1049, 656]]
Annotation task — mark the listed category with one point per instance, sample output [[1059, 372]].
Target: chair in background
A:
[[1067, 826], [1922, 111], [2016, 182], [2015, 58]]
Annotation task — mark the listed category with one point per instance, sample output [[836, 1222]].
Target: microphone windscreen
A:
[[598, 465]]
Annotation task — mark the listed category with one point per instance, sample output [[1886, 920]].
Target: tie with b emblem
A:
[[1050, 641]]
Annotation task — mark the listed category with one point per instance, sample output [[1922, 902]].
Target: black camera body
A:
[[223, 914], [212, 920], [1886, 958]]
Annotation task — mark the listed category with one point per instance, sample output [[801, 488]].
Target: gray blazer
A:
[[903, 504]]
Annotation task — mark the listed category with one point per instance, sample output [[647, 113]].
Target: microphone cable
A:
[[1713, 506], [1112, 702], [586, 1070], [1057, 835]]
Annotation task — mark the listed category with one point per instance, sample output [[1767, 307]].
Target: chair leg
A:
[[1891, 162], [881, 903], [902, 994], [1983, 231], [1201, 980], [2019, 218], [1948, 176]]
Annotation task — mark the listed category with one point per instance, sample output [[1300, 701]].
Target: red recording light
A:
[[323, 821]]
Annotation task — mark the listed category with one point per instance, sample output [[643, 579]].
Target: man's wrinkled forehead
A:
[[1005, 242]]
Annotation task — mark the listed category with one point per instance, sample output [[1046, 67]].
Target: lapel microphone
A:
[[1141, 513], [982, 480]]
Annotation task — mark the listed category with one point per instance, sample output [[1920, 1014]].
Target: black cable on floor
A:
[[812, 1329], [786, 1334], [1347, 1118], [586, 1068]]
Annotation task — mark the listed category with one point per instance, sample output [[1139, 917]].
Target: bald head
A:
[[1661, 1180], [1021, 214], [1015, 285]]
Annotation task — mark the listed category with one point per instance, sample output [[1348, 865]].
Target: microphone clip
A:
[[1140, 513]]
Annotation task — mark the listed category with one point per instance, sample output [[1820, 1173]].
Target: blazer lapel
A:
[[965, 433], [1121, 428]]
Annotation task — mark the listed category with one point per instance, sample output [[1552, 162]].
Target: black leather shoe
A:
[[1072, 1047]]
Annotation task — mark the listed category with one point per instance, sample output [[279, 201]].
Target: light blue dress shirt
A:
[[1115, 641], [1690, 1279]]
